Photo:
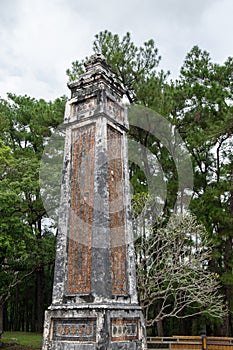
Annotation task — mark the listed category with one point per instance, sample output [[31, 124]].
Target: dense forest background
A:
[[199, 105]]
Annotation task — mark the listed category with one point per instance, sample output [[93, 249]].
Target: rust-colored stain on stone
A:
[[80, 237], [117, 212], [94, 302]]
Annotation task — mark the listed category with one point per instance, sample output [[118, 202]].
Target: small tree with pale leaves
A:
[[172, 272]]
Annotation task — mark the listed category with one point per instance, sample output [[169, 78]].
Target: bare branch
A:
[[172, 271]]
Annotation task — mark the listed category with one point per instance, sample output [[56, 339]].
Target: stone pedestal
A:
[[94, 302], [93, 326]]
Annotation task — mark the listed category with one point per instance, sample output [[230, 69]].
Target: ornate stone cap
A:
[[95, 59], [97, 71]]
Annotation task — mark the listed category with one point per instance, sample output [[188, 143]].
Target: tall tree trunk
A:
[[39, 299], [39, 287], [182, 329], [1, 319], [230, 257], [227, 326], [159, 325]]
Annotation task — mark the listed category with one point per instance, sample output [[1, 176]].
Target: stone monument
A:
[[94, 303]]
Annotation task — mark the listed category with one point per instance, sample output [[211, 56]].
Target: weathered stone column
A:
[[94, 293]]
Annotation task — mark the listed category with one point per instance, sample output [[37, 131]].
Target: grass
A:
[[33, 340]]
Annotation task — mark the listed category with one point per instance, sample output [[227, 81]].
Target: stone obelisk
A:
[[94, 303]]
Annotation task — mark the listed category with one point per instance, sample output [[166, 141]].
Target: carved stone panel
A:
[[114, 110], [117, 212], [86, 108], [124, 329], [74, 330], [80, 235]]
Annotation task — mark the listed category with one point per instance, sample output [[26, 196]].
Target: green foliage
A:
[[76, 70], [204, 119], [199, 104], [26, 245], [204, 96], [132, 65]]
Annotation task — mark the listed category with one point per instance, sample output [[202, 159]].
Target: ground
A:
[[12, 346], [21, 341]]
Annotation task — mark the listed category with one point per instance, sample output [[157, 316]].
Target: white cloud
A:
[[40, 38], [217, 37], [40, 48]]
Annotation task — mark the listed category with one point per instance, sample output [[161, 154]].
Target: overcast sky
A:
[[40, 38]]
